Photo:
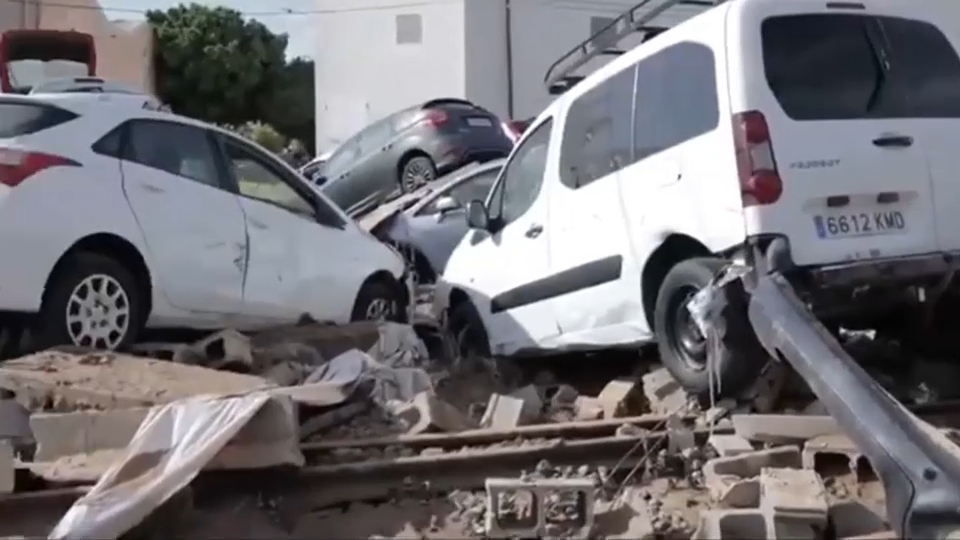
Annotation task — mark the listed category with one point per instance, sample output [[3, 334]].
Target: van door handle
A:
[[151, 188], [534, 231], [893, 141]]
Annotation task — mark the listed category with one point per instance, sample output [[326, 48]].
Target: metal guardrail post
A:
[[918, 465]]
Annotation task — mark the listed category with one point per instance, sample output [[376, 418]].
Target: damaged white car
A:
[[118, 216], [816, 140]]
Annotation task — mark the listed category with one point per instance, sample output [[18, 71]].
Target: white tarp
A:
[[174, 442]]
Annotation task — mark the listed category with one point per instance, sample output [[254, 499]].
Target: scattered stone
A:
[[532, 403], [729, 445], [503, 412], [587, 408], [227, 349], [663, 392], [793, 502], [426, 413], [620, 397], [783, 428]]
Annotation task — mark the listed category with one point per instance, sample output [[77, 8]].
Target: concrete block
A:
[[426, 413], [627, 517], [793, 502], [523, 508], [830, 445], [7, 466], [84, 432], [721, 473], [663, 392], [783, 428], [729, 445], [532, 403], [226, 349], [58, 381], [731, 524], [587, 408], [740, 494], [503, 412], [620, 397], [852, 518]]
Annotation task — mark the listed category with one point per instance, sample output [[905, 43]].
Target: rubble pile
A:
[[367, 411]]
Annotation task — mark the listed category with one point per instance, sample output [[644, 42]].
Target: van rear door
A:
[[922, 56], [854, 179]]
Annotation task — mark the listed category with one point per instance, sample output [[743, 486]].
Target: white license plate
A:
[[860, 224], [479, 122]]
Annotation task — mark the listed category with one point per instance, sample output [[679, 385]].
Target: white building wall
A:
[[363, 74]]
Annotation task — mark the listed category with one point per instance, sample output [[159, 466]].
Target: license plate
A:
[[479, 122], [860, 224]]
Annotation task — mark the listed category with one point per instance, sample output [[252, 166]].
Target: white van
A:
[[810, 137]]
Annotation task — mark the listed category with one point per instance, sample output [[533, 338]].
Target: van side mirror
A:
[[477, 217]]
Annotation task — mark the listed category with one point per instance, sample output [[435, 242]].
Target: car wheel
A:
[[416, 172], [378, 301], [91, 301], [738, 356]]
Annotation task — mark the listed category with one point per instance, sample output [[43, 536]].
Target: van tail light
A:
[[435, 118], [18, 165], [760, 183]]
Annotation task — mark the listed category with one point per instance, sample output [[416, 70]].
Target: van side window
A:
[[928, 64], [522, 177], [676, 98], [825, 67], [597, 132]]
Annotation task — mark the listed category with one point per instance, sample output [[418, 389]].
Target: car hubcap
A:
[[380, 309], [98, 313], [416, 174], [687, 338]]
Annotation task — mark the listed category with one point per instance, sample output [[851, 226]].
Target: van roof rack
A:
[[84, 85], [560, 78]]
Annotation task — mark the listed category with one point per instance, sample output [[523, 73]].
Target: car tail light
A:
[[18, 165], [434, 118], [760, 183]]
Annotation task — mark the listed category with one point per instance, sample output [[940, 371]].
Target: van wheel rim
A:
[[98, 313], [688, 341], [380, 309]]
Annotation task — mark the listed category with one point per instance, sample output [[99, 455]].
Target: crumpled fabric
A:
[[353, 368]]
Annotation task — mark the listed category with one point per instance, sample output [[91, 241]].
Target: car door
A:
[[300, 258], [192, 225], [511, 261], [375, 175], [589, 239], [927, 62]]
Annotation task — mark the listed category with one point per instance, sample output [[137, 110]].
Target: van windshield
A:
[[844, 66]]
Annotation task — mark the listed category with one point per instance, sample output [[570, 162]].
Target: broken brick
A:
[[720, 473], [532, 403], [664, 394], [503, 412], [793, 502], [620, 397], [587, 408], [426, 412], [783, 428], [729, 445]]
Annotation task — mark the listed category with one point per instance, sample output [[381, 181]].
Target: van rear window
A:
[[18, 118], [842, 66]]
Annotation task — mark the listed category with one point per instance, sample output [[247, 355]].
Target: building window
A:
[[602, 39], [409, 29]]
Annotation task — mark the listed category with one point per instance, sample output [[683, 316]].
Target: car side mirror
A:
[[477, 217], [446, 204]]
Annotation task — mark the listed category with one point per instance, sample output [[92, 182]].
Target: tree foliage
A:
[[290, 108], [215, 65], [263, 134]]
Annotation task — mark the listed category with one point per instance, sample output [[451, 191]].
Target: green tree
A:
[[290, 108], [215, 65]]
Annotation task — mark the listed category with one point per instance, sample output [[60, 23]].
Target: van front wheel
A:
[[737, 355]]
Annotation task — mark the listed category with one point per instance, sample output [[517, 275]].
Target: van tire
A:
[[467, 330], [740, 357]]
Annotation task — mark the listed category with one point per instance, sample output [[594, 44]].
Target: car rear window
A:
[[18, 118], [831, 67]]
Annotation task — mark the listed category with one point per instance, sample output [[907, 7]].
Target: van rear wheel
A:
[[737, 355]]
